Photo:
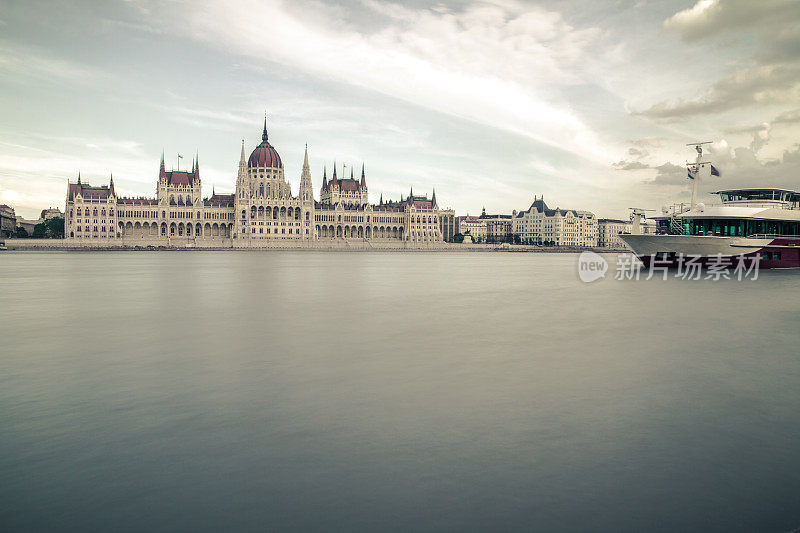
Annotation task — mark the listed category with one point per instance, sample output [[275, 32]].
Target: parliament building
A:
[[262, 212]]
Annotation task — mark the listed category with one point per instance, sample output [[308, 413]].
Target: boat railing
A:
[[772, 236]]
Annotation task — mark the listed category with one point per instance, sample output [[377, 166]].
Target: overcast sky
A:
[[588, 103]]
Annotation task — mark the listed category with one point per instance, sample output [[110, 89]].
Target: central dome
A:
[[264, 154]]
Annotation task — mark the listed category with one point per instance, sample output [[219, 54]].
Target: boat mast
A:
[[696, 180]]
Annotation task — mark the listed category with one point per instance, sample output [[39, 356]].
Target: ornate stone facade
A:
[[262, 212]]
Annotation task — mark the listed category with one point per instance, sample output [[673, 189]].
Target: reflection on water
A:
[[219, 391]]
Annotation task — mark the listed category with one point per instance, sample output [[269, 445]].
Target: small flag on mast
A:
[[690, 172], [714, 171], [180, 156]]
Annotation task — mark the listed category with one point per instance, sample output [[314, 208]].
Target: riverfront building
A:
[[498, 227], [262, 211], [8, 221], [447, 223], [556, 227], [473, 226], [608, 231]]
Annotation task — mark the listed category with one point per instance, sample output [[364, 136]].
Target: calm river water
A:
[[216, 391]]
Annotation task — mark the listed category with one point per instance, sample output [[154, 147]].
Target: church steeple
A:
[[306, 187]]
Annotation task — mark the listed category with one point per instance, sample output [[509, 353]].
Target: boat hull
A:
[[672, 249]]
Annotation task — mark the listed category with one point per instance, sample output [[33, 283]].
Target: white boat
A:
[[760, 223]]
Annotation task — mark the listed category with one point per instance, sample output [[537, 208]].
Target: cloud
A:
[[486, 63], [669, 174], [788, 117], [774, 76], [630, 165], [19, 62], [740, 167]]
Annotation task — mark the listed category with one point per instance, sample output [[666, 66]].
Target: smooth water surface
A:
[[219, 391]]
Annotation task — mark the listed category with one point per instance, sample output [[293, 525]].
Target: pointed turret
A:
[[334, 181], [381, 203], [111, 183], [197, 165], [324, 177], [411, 194], [79, 177], [306, 187], [161, 170], [242, 160], [363, 176], [264, 136], [351, 173], [433, 198]]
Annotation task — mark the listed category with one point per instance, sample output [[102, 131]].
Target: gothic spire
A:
[[241, 159], [334, 173], [305, 158], [381, 199], [433, 198], [79, 177], [264, 136], [363, 176], [351, 172], [111, 182], [325, 177]]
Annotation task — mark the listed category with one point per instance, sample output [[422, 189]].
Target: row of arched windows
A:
[[273, 212]]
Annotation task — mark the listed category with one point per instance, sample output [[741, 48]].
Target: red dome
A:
[[265, 155]]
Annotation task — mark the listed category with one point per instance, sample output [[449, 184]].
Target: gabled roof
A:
[[219, 200], [88, 192]]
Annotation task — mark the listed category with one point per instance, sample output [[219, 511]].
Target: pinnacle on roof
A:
[[111, 182], [305, 158], [363, 176], [433, 198], [334, 173], [264, 136], [79, 177]]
